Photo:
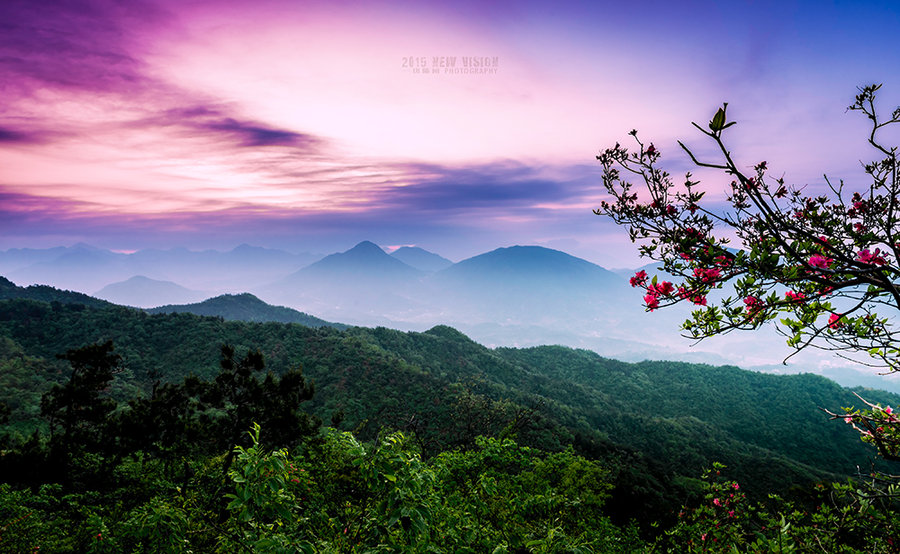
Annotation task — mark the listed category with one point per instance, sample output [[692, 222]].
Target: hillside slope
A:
[[669, 419]]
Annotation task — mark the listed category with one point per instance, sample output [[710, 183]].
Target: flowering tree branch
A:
[[824, 267], [878, 426]]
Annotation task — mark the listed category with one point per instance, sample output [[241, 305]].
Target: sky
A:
[[458, 127]]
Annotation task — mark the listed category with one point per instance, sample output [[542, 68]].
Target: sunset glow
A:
[[314, 125]]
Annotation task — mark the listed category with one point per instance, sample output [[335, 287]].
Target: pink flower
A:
[[754, 305], [794, 296], [706, 275], [665, 288], [651, 301], [717, 502], [888, 410], [817, 260], [703, 537], [639, 278], [735, 486], [730, 513], [867, 257], [834, 322]]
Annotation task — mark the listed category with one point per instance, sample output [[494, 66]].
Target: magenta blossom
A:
[[874, 258], [651, 301], [834, 321], [817, 260], [706, 275], [665, 288], [639, 278], [753, 304], [794, 296]]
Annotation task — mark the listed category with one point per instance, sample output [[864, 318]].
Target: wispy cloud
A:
[[14, 136], [219, 121], [74, 44], [505, 185]]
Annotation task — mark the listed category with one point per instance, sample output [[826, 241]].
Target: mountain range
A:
[[514, 296], [88, 269]]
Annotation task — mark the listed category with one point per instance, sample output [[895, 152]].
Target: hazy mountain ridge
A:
[[87, 269], [143, 292], [514, 296], [421, 259]]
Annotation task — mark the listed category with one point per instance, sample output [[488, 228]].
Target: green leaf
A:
[[718, 120]]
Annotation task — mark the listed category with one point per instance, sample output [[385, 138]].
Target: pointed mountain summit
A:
[[365, 260], [364, 280], [420, 258]]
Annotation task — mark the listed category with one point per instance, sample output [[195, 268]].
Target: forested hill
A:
[[246, 307], [8, 289], [658, 422]]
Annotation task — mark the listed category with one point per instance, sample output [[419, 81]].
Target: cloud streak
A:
[[13, 136], [74, 44]]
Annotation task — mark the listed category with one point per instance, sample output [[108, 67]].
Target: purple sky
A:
[[311, 126]]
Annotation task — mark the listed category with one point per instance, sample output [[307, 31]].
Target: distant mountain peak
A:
[[366, 246], [144, 279], [244, 247], [531, 266], [144, 292], [420, 258], [85, 246], [364, 258]]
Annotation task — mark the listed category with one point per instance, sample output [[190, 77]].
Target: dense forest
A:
[[124, 431]]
